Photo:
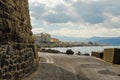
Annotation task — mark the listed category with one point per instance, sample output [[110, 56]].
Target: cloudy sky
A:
[[76, 18]]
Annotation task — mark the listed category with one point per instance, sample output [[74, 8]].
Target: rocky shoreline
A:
[[68, 52], [105, 55]]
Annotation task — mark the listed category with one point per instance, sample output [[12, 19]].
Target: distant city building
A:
[[54, 40], [45, 40], [42, 38]]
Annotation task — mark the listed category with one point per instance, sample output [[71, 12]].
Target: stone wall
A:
[[15, 22], [17, 61], [18, 54]]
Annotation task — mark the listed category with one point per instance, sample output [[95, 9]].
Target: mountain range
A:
[[115, 41]]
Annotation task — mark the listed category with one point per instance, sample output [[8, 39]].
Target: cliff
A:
[[18, 54]]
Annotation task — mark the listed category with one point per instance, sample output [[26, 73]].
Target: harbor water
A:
[[86, 49]]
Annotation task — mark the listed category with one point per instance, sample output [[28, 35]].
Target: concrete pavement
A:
[[71, 67]]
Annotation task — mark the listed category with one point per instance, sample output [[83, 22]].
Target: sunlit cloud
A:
[[76, 18], [37, 30]]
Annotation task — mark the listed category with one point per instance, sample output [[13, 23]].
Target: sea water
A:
[[86, 49]]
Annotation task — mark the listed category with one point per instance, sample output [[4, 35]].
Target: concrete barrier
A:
[[112, 55]]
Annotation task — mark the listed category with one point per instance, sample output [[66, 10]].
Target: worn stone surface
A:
[[72, 67], [17, 61], [15, 21], [18, 54], [112, 55]]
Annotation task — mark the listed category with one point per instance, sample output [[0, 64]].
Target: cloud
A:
[[79, 18], [86, 31], [89, 13], [69, 1], [37, 10], [93, 12], [37, 30], [112, 21], [48, 3], [59, 18], [60, 8]]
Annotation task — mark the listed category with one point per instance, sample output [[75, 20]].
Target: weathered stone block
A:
[[97, 54], [112, 55]]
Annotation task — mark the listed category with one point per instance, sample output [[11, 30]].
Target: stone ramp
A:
[[48, 71], [70, 67]]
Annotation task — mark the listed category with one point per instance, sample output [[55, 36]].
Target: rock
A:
[[50, 51], [69, 51], [86, 54], [97, 54], [79, 53]]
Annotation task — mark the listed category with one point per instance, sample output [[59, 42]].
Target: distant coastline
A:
[[45, 40], [85, 49]]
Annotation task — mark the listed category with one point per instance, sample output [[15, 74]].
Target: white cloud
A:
[[86, 33], [48, 3], [32, 18], [111, 21], [114, 19], [90, 1], [37, 30], [76, 18], [86, 30]]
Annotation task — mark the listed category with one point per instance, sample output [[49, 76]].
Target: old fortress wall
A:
[[18, 54]]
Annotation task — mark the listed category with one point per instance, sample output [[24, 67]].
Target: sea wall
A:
[[15, 23], [18, 54], [112, 55], [17, 61]]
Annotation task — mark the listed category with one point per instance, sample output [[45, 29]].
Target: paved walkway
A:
[[71, 67]]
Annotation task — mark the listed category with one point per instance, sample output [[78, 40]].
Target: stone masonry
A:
[[18, 54], [15, 21], [17, 61]]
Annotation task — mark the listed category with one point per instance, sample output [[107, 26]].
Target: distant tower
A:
[[15, 21]]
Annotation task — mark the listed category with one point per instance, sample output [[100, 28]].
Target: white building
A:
[[42, 38]]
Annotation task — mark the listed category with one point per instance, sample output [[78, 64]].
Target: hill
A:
[[115, 41]]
